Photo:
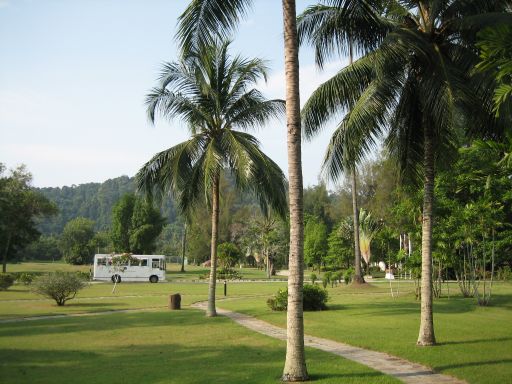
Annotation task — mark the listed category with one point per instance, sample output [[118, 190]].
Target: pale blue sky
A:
[[74, 74]]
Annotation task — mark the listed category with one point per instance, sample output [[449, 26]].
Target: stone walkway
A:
[[401, 369]]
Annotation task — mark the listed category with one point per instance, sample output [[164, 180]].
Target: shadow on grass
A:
[[476, 341], [118, 321], [455, 305], [133, 351], [92, 305], [473, 364]]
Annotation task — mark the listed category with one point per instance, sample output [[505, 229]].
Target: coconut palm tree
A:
[[211, 92], [412, 87], [201, 22], [337, 27]]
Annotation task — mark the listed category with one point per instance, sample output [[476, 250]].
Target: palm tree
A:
[[328, 29], [200, 23], [210, 91], [412, 87]]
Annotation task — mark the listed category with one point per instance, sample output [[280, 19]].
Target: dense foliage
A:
[[315, 299], [20, 206], [93, 201], [136, 224]]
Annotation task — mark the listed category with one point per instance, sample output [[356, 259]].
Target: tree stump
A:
[[175, 301]]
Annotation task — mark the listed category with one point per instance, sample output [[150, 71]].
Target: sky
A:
[[74, 75]]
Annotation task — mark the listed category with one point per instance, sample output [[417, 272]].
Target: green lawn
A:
[[155, 347], [475, 343], [46, 266]]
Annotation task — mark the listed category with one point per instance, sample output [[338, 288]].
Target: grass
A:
[[19, 301], [475, 343], [155, 347], [46, 266]]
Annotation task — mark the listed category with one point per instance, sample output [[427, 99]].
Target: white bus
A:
[[148, 268]]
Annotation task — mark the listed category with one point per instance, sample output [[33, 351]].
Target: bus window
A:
[[102, 261], [144, 262], [156, 263], [135, 263]]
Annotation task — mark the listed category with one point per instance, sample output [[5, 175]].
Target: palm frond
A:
[[205, 20], [256, 172]]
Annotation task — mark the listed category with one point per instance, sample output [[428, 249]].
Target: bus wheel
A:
[[116, 279], [153, 279]]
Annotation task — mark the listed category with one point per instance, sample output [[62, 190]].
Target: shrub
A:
[[313, 278], [279, 302], [326, 279], [6, 281], [347, 275], [336, 278], [59, 286], [83, 275], [228, 274], [26, 278], [504, 273], [315, 299]]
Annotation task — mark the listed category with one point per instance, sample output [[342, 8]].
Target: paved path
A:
[[403, 370]]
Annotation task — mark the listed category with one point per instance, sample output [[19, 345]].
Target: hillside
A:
[[93, 201]]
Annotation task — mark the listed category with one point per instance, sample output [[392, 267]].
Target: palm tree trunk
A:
[[183, 247], [211, 311], [426, 336], [295, 364], [358, 277]]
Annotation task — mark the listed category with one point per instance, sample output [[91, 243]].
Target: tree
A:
[[146, 225], [20, 205], [76, 241], [59, 286], [228, 254], [122, 213], [136, 224], [210, 91], [204, 21], [315, 242], [339, 249], [44, 248], [413, 86]]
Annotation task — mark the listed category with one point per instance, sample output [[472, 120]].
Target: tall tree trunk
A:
[[358, 276], [426, 335], [183, 247], [211, 311], [6, 252], [295, 364]]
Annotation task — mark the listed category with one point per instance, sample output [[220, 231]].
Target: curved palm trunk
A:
[[295, 365], [211, 311], [358, 277], [426, 335]]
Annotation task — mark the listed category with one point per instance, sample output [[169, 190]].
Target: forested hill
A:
[[91, 200]]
